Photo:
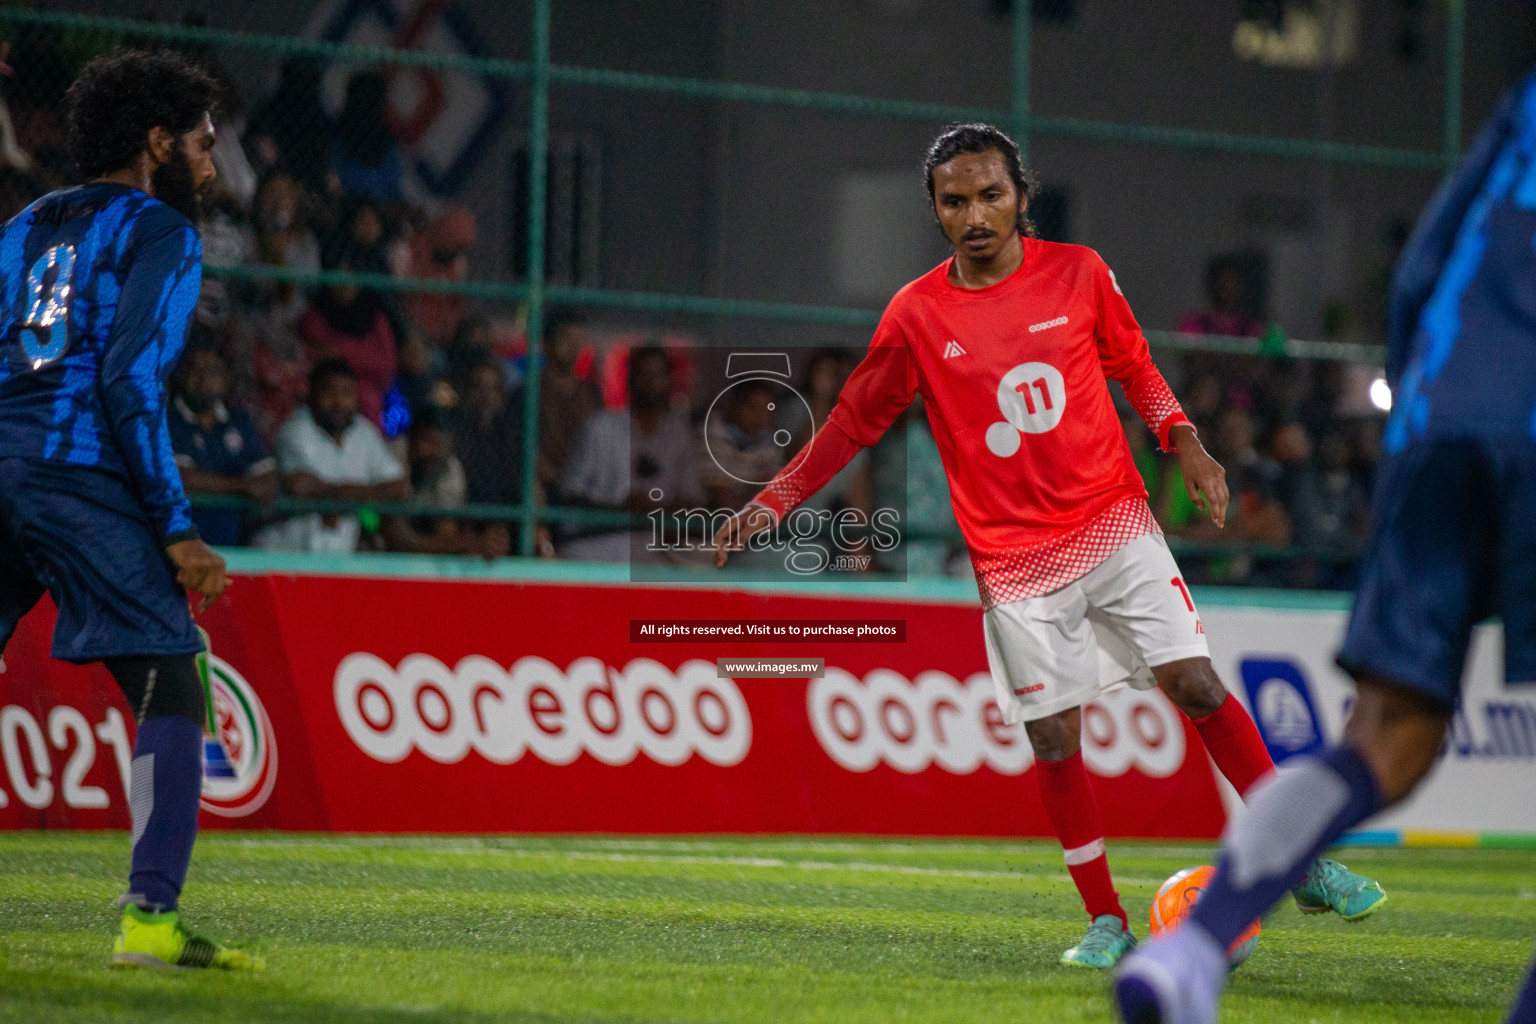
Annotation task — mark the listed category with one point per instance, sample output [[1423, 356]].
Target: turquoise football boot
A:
[[1106, 942], [1329, 885]]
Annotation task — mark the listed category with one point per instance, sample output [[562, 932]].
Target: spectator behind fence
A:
[[470, 346], [566, 401], [216, 445], [348, 322], [823, 381], [437, 478], [328, 450], [276, 366], [228, 241], [1254, 513], [34, 93], [1344, 500], [235, 173], [1296, 485], [421, 382], [638, 459], [363, 228], [291, 130], [1204, 403], [285, 239], [488, 435], [440, 252], [739, 454], [1228, 309], [365, 155]]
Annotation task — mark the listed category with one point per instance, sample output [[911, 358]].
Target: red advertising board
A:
[[389, 704]]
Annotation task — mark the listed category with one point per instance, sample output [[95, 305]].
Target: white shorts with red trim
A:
[[1102, 631]]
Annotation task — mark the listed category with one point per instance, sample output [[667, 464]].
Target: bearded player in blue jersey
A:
[[1454, 542], [97, 286]]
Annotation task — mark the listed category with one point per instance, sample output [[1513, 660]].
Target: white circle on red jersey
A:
[[1002, 439], [1031, 397]]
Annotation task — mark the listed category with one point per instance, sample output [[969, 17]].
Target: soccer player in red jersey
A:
[[1011, 343]]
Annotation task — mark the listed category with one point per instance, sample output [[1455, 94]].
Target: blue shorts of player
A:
[[1454, 542], [79, 533]]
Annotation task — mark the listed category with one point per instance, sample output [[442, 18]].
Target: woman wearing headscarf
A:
[[348, 322]]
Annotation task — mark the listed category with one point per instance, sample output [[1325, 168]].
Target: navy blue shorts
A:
[[81, 534], [1454, 542]]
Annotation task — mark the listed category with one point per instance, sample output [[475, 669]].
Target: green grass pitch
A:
[[385, 929]]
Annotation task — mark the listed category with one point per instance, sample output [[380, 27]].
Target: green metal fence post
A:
[[538, 162], [1023, 22], [1455, 45]]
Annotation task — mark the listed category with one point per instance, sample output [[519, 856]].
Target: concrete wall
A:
[[1155, 214], [770, 203]]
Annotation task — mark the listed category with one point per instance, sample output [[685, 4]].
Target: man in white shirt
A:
[[639, 459], [326, 450]]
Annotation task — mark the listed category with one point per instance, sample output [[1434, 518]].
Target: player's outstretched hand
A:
[[199, 568], [1204, 478], [739, 529]]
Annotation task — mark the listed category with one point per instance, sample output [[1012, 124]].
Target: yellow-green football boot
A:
[[147, 939]]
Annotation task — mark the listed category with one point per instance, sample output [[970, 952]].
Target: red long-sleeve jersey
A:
[[1014, 379]]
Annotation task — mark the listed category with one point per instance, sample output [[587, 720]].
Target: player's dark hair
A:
[[637, 357], [958, 138], [560, 317], [486, 361], [201, 346], [1219, 265], [752, 386], [119, 97], [199, 342], [821, 355], [425, 419], [325, 369]]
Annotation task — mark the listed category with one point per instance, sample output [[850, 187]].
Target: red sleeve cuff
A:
[[1166, 429], [769, 501]]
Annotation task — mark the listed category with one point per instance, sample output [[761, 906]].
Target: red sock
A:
[[1235, 745], [1074, 813]]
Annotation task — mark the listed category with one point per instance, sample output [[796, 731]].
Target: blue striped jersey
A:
[[1461, 347], [97, 288]]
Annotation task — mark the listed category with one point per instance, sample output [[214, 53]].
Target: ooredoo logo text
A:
[[935, 719], [534, 706]]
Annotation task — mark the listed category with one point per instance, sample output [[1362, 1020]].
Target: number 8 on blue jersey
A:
[[45, 329]]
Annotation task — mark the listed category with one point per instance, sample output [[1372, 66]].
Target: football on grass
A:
[[1176, 898]]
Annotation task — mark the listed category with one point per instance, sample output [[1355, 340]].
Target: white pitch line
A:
[[472, 849], [813, 865]]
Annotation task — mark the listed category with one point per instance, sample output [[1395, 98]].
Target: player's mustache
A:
[[977, 233]]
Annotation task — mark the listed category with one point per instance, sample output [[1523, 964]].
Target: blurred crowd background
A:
[[344, 352]]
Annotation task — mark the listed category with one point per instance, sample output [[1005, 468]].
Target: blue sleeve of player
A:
[[1424, 255], [148, 332]]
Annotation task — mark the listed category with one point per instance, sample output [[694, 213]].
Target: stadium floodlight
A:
[[1381, 394]]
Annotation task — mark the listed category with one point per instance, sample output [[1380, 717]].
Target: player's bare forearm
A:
[[1204, 478]]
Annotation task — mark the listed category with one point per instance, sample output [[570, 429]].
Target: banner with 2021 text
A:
[[390, 704]]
